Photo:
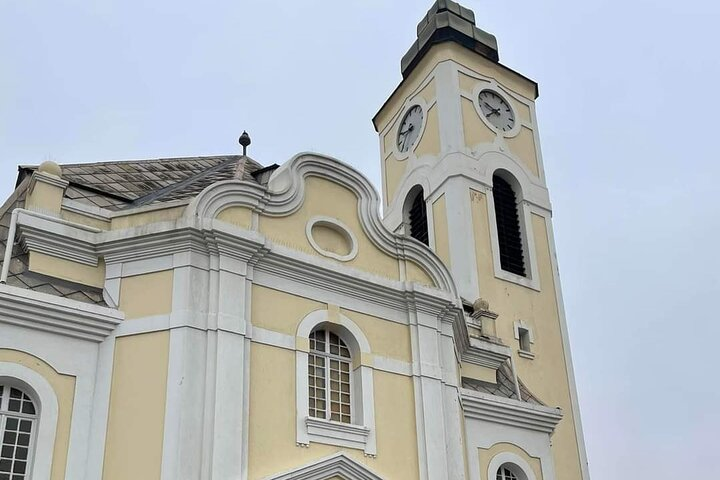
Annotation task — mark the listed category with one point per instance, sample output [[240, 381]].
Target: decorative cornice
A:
[[285, 194], [486, 354], [41, 311], [45, 234], [507, 411], [336, 465]]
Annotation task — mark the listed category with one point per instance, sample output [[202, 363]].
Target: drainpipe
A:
[[9, 246]]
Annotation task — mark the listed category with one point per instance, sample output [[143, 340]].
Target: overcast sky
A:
[[628, 114]]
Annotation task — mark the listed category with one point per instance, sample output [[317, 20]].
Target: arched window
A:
[[416, 215], [504, 473], [329, 377], [509, 231], [18, 415]]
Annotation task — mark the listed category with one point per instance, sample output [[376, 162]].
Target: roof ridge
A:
[[155, 195], [146, 160]]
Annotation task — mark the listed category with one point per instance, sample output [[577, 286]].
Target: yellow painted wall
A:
[[146, 295], [386, 338], [429, 142], [324, 197], [478, 372], [85, 220], [523, 146], [154, 216], [474, 129], [546, 375], [133, 449], [238, 216], [394, 171], [279, 311], [44, 197], [68, 270], [273, 421], [64, 388], [416, 274], [486, 455]]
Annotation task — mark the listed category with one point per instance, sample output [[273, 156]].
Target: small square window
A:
[[524, 339]]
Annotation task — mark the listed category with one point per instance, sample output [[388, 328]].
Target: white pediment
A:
[[329, 468]]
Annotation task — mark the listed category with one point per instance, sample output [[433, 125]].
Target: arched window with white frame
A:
[[18, 418], [329, 377], [334, 378]]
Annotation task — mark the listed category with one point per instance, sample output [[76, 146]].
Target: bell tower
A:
[[463, 173]]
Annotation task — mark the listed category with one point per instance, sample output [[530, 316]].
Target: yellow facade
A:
[[198, 332], [134, 444]]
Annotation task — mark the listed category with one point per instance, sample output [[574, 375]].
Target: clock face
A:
[[496, 110], [409, 128]]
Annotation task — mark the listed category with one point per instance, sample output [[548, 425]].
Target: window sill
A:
[[336, 433], [526, 354], [528, 282]]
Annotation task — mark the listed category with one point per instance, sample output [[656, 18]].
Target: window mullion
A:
[[327, 374]]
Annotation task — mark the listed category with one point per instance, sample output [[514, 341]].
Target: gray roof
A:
[[505, 386], [118, 185]]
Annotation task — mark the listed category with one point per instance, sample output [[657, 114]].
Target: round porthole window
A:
[[331, 238]]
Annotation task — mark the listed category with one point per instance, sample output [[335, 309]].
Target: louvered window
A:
[[418, 218], [508, 227]]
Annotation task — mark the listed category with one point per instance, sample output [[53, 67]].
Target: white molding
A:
[[532, 273], [507, 411], [517, 463], [484, 353], [56, 237], [336, 433], [362, 398], [47, 403], [337, 226], [337, 465], [50, 313], [285, 194]]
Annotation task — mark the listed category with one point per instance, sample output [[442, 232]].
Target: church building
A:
[[212, 318]]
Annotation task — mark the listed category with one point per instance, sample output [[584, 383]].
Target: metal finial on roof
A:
[[244, 140]]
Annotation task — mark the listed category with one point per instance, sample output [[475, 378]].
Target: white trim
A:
[[285, 194], [337, 465], [532, 274], [50, 313], [337, 226], [508, 457], [507, 411], [362, 395], [337, 433], [47, 404]]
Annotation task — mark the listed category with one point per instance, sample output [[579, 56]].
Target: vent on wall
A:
[[508, 227], [417, 218]]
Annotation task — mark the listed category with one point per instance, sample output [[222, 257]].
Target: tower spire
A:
[[448, 21]]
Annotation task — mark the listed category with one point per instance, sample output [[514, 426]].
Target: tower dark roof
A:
[[448, 21]]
